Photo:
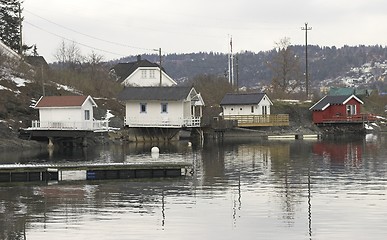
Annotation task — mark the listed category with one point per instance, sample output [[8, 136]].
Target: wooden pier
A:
[[94, 171]]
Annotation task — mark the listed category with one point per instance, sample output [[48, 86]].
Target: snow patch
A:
[[108, 115], [20, 82], [5, 88], [67, 88]]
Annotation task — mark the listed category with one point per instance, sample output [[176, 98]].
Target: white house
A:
[[164, 107], [141, 73], [251, 110], [67, 113], [246, 104]]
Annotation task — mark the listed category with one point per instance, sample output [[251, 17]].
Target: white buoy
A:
[[155, 150]]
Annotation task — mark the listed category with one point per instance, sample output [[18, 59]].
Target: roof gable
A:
[[124, 70], [243, 99], [154, 93], [63, 101], [329, 100]]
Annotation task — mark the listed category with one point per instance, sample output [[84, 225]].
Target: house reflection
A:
[[340, 153]]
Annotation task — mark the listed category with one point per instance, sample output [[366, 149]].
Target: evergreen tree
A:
[[10, 23]]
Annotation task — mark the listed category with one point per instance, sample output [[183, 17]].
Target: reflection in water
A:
[[262, 190]]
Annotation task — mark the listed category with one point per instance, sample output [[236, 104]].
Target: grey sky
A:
[[179, 26]]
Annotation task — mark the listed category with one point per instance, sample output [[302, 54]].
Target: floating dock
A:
[[294, 136], [92, 171]]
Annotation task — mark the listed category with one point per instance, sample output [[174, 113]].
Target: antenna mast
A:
[[306, 29]]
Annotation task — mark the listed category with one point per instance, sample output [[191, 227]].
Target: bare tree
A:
[[212, 88], [287, 74], [69, 55]]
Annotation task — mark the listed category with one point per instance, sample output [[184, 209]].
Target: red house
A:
[[339, 109]]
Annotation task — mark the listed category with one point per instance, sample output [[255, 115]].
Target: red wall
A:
[[334, 110]]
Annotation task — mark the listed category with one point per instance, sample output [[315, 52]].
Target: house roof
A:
[[329, 100], [154, 93], [63, 101], [242, 99], [36, 61], [124, 70]]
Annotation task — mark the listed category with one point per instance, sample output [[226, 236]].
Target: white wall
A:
[[137, 79], [153, 114], [73, 114], [246, 109]]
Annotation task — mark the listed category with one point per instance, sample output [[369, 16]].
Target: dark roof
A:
[[332, 100], [154, 93], [36, 61], [61, 101], [124, 70], [242, 99]]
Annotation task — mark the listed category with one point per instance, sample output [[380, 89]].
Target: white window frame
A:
[[144, 73], [87, 115], [152, 74], [351, 110]]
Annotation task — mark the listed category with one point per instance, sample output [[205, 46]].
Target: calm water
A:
[[262, 190]]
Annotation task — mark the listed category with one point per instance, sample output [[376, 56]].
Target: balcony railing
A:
[[163, 123], [62, 125], [259, 120], [350, 118]]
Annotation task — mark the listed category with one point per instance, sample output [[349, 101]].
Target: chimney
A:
[[138, 58]]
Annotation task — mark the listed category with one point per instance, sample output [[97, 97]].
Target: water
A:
[[257, 190]]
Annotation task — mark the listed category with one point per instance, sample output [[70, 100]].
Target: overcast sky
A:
[[118, 28]]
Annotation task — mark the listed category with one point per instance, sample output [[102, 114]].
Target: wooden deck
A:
[[360, 118], [259, 120], [92, 171]]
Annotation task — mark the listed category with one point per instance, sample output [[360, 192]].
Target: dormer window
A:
[[143, 74], [151, 73]]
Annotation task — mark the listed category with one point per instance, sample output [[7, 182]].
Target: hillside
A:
[[21, 85], [21, 88], [359, 66]]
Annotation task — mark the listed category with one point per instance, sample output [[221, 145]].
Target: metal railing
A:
[[63, 125], [259, 120], [163, 123]]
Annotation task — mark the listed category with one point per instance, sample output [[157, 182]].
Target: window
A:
[[143, 74], [142, 107], [351, 110], [87, 114], [152, 74], [164, 107], [252, 109], [264, 110]]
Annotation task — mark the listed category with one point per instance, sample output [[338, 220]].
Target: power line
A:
[[82, 44], [89, 36]]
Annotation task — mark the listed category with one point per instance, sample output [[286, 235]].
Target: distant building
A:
[[36, 61], [141, 73], [336, 91]]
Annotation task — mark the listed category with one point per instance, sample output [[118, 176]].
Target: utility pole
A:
[[44, 90], [161, 74], [232, 64], [237, 72], [306, 29], [20, 30]]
